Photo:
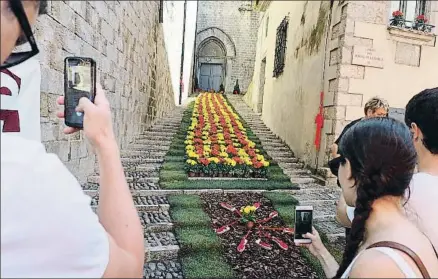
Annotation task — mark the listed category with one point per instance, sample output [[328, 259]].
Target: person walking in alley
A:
[[375, 107], [377, 164], [48, 229]]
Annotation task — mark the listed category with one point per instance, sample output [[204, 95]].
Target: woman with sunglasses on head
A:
[[375, 107], [48, 229], [377, 164]]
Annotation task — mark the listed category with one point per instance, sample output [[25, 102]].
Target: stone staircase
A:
[[142, 161], [312, 192]]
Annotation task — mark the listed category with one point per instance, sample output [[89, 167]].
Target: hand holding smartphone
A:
[[79, 82], [303, 223]]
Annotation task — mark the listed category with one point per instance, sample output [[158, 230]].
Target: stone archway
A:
[[215, 52]]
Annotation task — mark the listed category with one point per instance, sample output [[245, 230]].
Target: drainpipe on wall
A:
[[194, 74], [181, 84], [324, 64]]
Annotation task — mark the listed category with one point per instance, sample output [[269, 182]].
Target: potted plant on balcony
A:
[[397, 19], [420, 23]]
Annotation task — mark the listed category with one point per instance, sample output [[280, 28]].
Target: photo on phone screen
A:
[[303, 223], [80, 81]]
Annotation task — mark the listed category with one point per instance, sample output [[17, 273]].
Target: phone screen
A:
[[80, 81], [303, 223]]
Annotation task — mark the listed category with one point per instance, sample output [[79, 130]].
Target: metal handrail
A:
[[424, 27]]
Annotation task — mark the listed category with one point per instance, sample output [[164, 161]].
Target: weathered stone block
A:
[[335, 56], [349, 99], [407, 54], [352, 71], [353, 113]]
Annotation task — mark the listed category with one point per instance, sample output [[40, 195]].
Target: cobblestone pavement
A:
[[311, 192], [142, 161]]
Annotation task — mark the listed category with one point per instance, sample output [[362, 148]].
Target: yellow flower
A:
[[253, 208], [191, 162], [266, 164], [247, 210]]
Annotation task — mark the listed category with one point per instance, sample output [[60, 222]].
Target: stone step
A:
[[143, 203], [297, 172], [95, 179], [321, 207], [158, 133], [281, 155], [274, 149], [153, 142], [325, 193], [154, 137], [145, 153], [133, 186], [302, 180], [160, 246], [148, 147], [287, 160], [128, 161], [155, 221], [163, 269]]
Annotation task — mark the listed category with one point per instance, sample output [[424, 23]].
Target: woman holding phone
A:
[[377, 164]]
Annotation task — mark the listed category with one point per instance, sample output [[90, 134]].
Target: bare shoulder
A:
[[370, 265]]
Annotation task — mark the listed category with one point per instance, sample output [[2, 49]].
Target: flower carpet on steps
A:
[[217, 143], [255, 261]]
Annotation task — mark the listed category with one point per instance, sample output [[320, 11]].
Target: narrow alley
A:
[[227, 115]]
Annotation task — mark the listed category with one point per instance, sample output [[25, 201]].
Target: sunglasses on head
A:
[[18, 57]]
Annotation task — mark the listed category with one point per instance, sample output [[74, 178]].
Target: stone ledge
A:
[[157, 253], [411, 36], [226, 179]]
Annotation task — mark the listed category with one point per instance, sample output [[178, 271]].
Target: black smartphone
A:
[[79, 81], [303, 223]]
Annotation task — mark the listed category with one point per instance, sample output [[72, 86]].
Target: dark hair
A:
[[42, 7], [422, 110], [382, 158]]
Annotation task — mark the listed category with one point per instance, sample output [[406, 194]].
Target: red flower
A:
[[257, 165], [422, 18], [232, 150], [397, 13], [204, 161]]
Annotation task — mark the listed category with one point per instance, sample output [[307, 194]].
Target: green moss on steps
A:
[[200, 249]]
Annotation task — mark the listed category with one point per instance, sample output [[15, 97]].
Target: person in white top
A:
[[48, 229], [421, 117], [377, 164]]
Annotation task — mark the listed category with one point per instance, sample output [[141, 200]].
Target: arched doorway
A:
[[214, 55]]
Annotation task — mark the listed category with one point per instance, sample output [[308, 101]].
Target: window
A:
[[410, 9], [280, 47], [266, 27]]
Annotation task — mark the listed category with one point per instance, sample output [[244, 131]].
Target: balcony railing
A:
[[411, 25]]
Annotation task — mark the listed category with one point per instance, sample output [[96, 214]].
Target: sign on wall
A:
[[20, 100], [366, 56]]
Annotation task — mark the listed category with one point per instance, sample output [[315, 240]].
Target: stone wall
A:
[[289, 103], [235, 25], [368, 58], [126, 40]]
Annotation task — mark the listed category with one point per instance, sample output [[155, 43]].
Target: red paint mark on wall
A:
[[319, 120]]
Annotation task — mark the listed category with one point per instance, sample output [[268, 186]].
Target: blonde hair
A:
[[375, 103]]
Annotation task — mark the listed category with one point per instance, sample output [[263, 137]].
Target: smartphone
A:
[[79, 81], [303, 223]]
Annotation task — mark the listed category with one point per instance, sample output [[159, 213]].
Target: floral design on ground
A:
[[247, 217], [217, 144]]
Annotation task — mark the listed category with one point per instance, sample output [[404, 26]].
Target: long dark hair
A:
[[382, 158]]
